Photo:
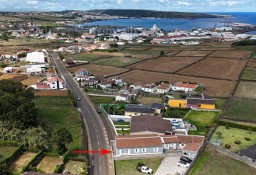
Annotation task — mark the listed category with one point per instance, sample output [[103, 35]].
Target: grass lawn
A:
[[84, 56], [74, 166], [229, 136], [93, 90], [219, 103], [202, 120], [102, 100], [5, 151], [21, 161], [212, 162], [121, 123], [125, 132], [48, 164], [249, 74], [128, 167], [149, 100], [241, 109], [116, 61], [57, 112]]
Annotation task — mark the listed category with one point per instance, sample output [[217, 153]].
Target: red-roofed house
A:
[[187, 87], [163, 88], [149, 88], [55, 83]]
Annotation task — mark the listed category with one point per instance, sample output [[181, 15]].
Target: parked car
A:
[[99, 111], [183, 164], [185, 159], [144, 169], [78, 98]]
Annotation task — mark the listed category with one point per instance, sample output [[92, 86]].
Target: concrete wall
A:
[[139, 151]]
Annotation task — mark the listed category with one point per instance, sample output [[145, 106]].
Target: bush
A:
[[237, 142], [227, 146], [247, 139], [227, 126]]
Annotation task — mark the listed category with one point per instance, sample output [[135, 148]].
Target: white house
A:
[[35, 70], [186, 87], [136, 86], [149, 88], [8, 70], [55, 83], [122, 97], [35, 57], [163, 88]]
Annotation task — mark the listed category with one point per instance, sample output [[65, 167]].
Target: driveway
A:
[[169, 166]]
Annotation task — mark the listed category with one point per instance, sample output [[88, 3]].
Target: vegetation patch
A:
[[75, 167], [219, 103], [84, 56], [212, 162], [234, 137], [241, 109], [102, 100], [128, 167], [175, 113], [5, 151], [23, 160], [48, 164], [116, 61], [249, 74], [149, 99], [202, 120], [246, 89]]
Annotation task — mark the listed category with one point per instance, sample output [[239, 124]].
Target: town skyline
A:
[[162, 5]]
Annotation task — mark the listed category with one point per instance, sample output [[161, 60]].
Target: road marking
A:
[[98, 142]]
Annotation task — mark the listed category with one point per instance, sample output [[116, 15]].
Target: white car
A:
[[183, 164], [145, 169]]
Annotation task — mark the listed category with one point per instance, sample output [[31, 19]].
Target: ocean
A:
[[181, 24]]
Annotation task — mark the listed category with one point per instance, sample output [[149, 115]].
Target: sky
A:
[[163, 5]]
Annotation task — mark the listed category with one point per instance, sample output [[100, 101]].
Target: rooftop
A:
[[186, 85]]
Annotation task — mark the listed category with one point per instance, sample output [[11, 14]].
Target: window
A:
[[155, 149], [137, 150], [143, 150]]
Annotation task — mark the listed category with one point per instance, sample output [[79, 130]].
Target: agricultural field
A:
[[216, 88], [128, 167], [219, 103], [58, 112], [230, 135], [85, 56], [221, 68], [202, 120], [193, 53], [116, 61], [5, 151], [54, 93], [246, 89], [166, 64], [148, 53], [31, 80], [17, 77], [99, 70], [249, 74], [252, 63], [74, 166], [231, 54], [149, 100], [212, 162], [241, 109], [48, 164], [21, 161]]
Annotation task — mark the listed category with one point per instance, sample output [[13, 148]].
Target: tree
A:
[[219, 134], [4, 169], [5, 36], [161, 53], [63, 137]]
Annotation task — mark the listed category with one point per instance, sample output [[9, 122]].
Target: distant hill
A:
[[151, 13]]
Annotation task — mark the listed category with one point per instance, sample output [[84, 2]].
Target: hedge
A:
[[25, 167], [12, 157], [8, 143], [236, 125], [72, 98]]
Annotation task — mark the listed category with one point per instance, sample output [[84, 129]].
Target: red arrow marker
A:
[[101, 151]]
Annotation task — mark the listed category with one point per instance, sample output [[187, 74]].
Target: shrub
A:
[[227, 146], [237, 142], [247, 139], [227, 126]]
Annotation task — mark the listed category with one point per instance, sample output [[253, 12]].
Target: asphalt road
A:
[[97, 137]]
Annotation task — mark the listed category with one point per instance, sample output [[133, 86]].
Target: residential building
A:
[[138, 145], [81, 72], [151, 88], [136, 86], [163, 88], [201, 102], [8, 70], [36, 57], [106, 84], [186, 87], [177, 103], [134, 110], [35, 70], [148, 124], [51, 83], [122, 97]]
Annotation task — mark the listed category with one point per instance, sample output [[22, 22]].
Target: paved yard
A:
[[169, 166]]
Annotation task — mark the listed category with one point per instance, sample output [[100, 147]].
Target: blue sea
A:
[[182, 24]]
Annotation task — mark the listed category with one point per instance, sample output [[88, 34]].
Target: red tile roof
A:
[[173, 139], [185, 85], [42, 86], [163, 86], [192, 147], [52, 79], [138, 141]]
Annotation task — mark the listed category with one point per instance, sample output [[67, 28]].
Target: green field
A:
[[212, 162], [116, 61], [249, 74], [5, 151], [219, 103], [229, 136], [85, 56], [128, 167], [149, 100], [58, 112], [102, 100], [246, 89], [202, 120], [241, 109]]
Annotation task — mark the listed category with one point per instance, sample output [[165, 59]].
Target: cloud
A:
[[32, 2], [226, 3]]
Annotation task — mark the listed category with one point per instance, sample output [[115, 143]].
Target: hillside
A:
[[151, 13]]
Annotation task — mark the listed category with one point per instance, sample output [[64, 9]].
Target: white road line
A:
[[98, 142]]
